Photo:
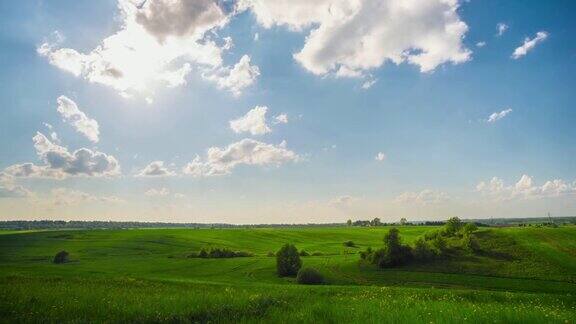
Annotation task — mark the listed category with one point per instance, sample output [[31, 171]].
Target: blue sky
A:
[[470, 120]]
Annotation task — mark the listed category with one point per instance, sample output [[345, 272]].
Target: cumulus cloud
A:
[[221, 161], [161, 192], [164, 19], [494, 117], [158, 44], [480, 44], [155, 169], [501, 28], [59, 163], [348, 38], [254, 122], [78, 119], [380, 157], [424, 197], [525, 189], [281, 119], [9, 188], [236, 78], [529, 44]]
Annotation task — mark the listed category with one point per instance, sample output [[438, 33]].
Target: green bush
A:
[[304, 253], [429, 236], [423, 251], [270, 254], [309, 276], [349, 244], [218, 253], [61, 257], [366, 254], [317, 253], [471, 243], [288, 261], [392, 254], [440, 245], [453, 226], [469, 228]]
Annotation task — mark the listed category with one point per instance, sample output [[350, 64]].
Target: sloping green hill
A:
[[535, 260]]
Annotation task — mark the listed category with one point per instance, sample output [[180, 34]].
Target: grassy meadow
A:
[[523, 274]]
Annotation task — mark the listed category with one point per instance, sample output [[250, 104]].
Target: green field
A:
[[520, 275]]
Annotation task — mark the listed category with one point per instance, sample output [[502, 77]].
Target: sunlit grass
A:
[[525, 275]]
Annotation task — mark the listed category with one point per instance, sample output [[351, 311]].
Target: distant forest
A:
[[59, 224]]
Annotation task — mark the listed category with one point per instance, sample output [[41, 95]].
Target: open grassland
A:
[[520, 275]]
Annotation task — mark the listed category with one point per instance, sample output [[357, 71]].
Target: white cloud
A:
[[69, 197], [369, 83], [380, 157], [254, 122], [155, 169], [281, 119], [78, 119], [352, 37], [256, 37], [529, 44], [161, 192], [236, 78], [424, 197], [501, 28], [157, 45], [221, 161], [60, 163], [8, 187], [525, 189], [480, 44], [343, 201], [494, 117], [179, 19]]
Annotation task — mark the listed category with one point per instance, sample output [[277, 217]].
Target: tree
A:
[[453, 225], [61, 257], [376, 222], [349, 222], [394, 253], [288, 261], [403, 221]]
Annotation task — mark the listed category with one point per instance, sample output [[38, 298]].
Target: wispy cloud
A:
[[529, 44]]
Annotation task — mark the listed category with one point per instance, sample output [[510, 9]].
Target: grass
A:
[[143, 275], [132, 300]]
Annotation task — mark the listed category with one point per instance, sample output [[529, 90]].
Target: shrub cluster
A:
[[217, 253], [61, 257], [430, 246], [349, 244], [309, 276], [393, 254]]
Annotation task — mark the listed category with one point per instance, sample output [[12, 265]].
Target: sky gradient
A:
[[255, 111]]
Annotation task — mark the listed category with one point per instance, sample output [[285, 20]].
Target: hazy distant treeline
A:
[[56, 224], [59, 224]]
